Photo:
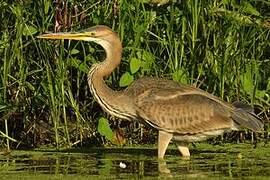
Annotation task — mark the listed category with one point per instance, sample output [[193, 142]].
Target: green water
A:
[[207, 161]]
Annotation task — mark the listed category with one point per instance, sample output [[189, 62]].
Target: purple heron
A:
[[179, 112]]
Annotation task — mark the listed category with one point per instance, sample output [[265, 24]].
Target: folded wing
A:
[[187, 110]]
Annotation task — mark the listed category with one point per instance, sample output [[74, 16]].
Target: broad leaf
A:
[[126, 79], [135, 65], [180, 76], [74, 51], [104, 128], [29, 30]]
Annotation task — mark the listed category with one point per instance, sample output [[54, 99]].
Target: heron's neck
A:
[[115, 103], [105, 95], [113, 51]]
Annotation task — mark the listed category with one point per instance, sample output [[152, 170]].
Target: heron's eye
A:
[[92, 33]]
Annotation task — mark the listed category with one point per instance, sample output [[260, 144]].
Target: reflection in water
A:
[[134, 163]]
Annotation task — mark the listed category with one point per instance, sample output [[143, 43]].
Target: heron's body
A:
[[180, 112]]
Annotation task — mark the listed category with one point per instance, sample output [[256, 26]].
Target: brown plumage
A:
[[183, 109], [180, 112]]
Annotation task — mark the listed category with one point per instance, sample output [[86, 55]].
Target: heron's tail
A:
[[244, 115]]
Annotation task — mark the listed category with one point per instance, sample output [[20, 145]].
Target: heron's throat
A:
[[113, 51]]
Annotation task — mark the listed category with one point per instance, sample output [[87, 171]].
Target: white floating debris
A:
[[122, 165]]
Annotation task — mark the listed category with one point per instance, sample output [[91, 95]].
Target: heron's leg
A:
[[164, 139], [162, 167], [183, 148]]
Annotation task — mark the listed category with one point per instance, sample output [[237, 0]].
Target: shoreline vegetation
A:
[[222, 47]]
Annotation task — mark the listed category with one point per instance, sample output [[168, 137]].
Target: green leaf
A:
[[250, 9], [247, 81], [84, 67], [147, 60], [30, 86], [47, 5], [29, 30], [135, 65], [75, 62], [180, 76], [104, 128], [74, 51], [148, 57], [126, 79]]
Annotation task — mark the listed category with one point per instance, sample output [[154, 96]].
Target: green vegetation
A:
[[222, 47]]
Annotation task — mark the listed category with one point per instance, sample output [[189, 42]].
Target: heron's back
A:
[[186, 110]]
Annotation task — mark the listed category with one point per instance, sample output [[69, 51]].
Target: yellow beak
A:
[[66, 35]]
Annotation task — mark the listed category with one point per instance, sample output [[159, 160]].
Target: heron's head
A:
[[100, 34]]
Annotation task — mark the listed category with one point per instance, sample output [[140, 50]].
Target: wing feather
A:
[[179, 108], [182, 111]]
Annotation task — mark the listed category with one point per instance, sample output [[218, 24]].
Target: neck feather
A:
[[109, 99], [113, 51]]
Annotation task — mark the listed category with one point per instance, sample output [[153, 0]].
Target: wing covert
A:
[[182, 112]]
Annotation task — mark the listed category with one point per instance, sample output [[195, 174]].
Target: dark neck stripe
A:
[[109, 108]]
